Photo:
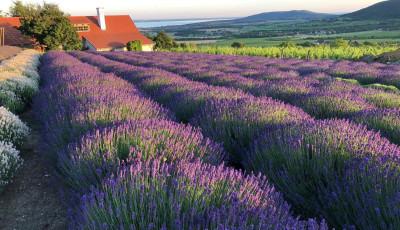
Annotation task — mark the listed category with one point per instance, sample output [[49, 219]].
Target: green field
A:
[[374, 36], [317, 52]]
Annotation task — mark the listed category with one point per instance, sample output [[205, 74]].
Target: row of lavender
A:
[[317, 93], [282, 68], [19, 81], [349, 176], [126, 164]]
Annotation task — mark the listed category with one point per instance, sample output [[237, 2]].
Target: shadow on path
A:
[[31, 201]]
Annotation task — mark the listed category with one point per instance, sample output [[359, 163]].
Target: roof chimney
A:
[[101, 18]]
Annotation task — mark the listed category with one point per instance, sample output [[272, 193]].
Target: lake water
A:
[[158, 23]]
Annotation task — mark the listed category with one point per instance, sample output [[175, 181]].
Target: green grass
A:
[[389, 88], [351, 81]]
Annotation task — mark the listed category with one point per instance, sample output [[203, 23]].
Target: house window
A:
[[82, 28]]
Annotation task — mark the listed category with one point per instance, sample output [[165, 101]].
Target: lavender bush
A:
[[102, 151], [333, 169], [186, 196], [12, 129], [236, 123], [10, 161], [19, 80]]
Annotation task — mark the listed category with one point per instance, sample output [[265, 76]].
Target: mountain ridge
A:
[[285, 15], [383, 10]]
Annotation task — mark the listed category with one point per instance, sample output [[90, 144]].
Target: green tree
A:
[[18, 9], [47, 25], [2, 14], [62, 35], [164, 41], [134, 45], [238, 45], [150, 37], [339, 43], [287, 44]]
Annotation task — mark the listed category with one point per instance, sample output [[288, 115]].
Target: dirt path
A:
[[31, 202]]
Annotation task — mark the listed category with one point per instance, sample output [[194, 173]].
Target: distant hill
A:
[[285, 15], [382, 10]]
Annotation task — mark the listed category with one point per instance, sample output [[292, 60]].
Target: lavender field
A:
[[195, 141]]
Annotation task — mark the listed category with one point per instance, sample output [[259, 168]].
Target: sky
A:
[[179, 9]]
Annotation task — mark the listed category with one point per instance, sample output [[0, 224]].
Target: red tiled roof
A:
[[114, 40], [12, 36], [119, 30], [79, 22]]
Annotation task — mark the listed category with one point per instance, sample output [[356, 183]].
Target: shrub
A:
[[12, 129], [134, 45], [9, 163], [339, 43], [238, 45]]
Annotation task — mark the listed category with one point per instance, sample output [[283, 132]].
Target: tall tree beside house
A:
[[62, 34], [18, 9], [48, 25], [164, 41]]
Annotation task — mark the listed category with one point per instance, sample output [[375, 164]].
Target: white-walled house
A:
[[108, 32]]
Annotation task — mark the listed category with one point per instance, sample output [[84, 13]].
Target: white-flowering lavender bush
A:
[[11, 101], [10, 161], [21, 85], [27, 60], [19, 80], [12, 129]]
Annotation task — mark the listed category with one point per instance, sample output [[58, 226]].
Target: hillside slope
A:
[[382, 10]]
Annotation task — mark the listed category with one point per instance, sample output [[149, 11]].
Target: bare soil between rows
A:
[[32, 201]]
